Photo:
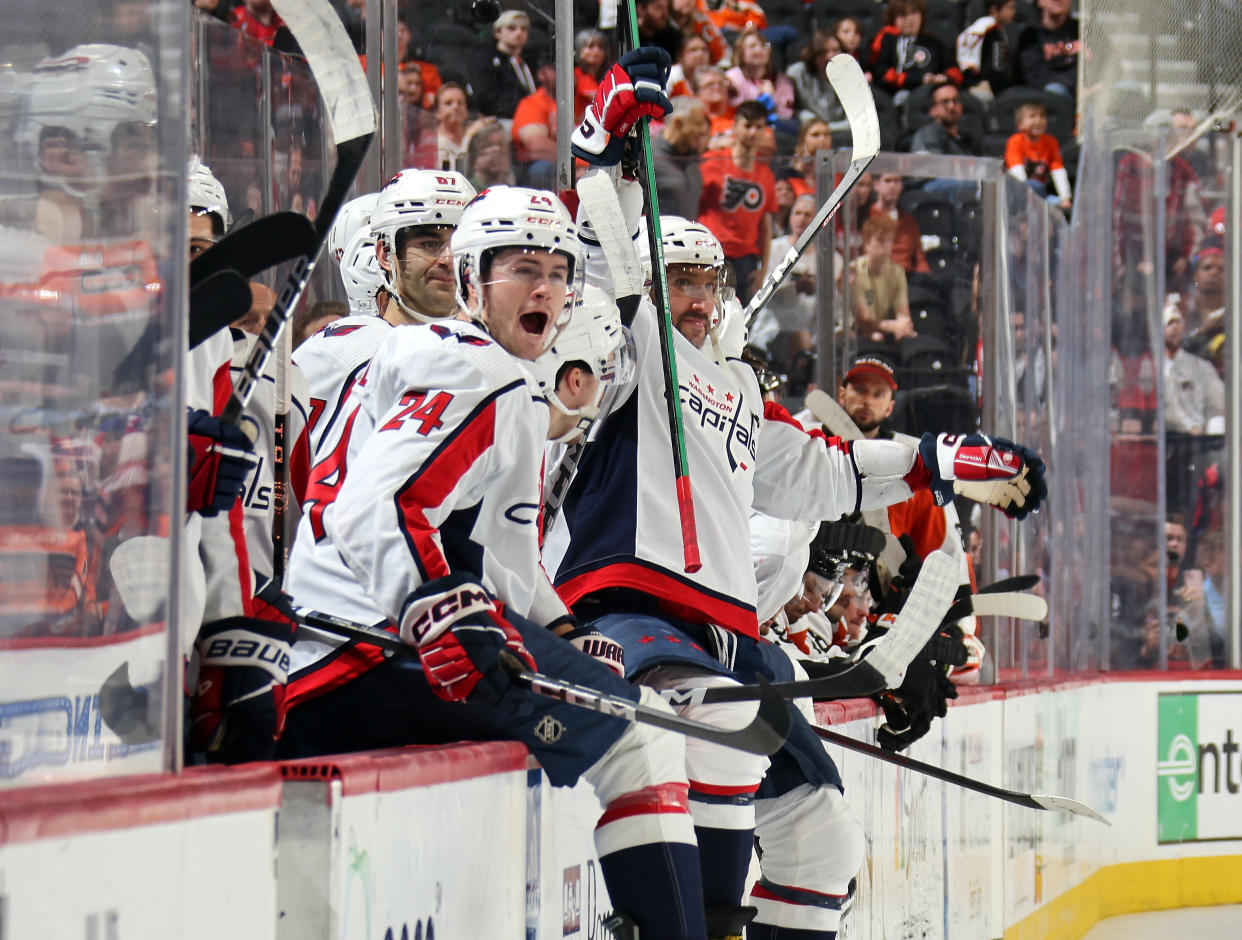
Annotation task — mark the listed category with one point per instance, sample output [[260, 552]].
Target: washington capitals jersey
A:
[[619, 525], [439, 474], [331, 360]]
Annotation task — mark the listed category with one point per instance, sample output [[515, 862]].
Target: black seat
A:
[[935, 216]]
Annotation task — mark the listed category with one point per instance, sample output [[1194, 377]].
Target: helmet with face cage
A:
[[687, 242]]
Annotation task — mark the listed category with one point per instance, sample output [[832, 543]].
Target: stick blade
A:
[[1014, 604], [773, 721], [830, 414], [257, 246], [129, 712], [215, 302], [1019, 582], [919, 618], [1063, 804], [850, 84]]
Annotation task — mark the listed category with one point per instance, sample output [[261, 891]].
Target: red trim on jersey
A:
[[433, 482], [345, 666], [712, 789], [299, 466], [759, 891], [774, 411], [660, 798], [675, 597]]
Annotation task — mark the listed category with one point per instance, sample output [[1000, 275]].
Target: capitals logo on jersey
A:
[[721, 409], [741, 192]]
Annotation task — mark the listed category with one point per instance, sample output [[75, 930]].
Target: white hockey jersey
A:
[[331, 360], [619, 525], [436, 469], [257, 498]]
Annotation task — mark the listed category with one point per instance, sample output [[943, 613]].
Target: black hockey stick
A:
[[764, 735], [1019, 582], [246, 252], [343, 88], [1062, 804]]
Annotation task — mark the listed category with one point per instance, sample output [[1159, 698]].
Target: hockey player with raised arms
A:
[[411, 222], [433, 532], [616, 556]]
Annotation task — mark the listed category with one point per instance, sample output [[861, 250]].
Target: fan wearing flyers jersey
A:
[[428, 523], [615, 550]]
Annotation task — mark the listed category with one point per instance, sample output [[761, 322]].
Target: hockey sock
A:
[[724, 856], [768, 932]]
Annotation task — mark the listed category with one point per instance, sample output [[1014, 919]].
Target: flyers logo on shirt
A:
[[743, 193]]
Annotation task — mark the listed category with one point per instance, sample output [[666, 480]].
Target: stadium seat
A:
[[924, 361], [935, 216], [944, 20], [869, 13], [930, 319]]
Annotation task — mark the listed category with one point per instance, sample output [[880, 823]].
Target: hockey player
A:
[[615, 551], [433, 532], [410, 224]]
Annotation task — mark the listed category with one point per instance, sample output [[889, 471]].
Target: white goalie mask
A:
[[514, 217], [360, 273], [411, 199], [84, 95], [692, 243], [206, 194], [353, 216], [594, 336]]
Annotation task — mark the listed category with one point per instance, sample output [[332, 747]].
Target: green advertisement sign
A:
[[1198, 767]]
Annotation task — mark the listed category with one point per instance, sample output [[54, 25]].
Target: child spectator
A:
[[739, 197], [879, 297], [983, 51], [849, 34], [1034, 156], [754, 79], [815, 96], [903, 56]]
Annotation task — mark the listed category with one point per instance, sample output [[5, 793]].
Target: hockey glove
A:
[[221, 458], [947, 647], [769, 105], [601, 649], [238, 712], [632, 89], [988, 470], [460, 635]]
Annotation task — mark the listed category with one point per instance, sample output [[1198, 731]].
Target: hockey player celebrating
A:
[[433, 532], [410, 225], [616, 553]]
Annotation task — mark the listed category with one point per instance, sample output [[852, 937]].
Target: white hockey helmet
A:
[[88, 91], [419, 197], [688, 242], [595, 336], [354, 215], [206, 194], [360, 273], [515, 217]]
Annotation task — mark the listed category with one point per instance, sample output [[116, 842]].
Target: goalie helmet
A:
[[360, 273], [86, 94], [594, 335], [355, 215], [206, 194], [515, 217]]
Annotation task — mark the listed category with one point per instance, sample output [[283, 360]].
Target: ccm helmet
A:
[[360, 273], [515, 217], [207, 196], [355, 215]]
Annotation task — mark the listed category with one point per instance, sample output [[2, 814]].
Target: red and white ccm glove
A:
[[986, 469], [632, 89]]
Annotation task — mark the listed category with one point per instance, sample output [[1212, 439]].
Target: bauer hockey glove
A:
[[601, 649], [221, 458], [238, 711], [460, 634], [988, 470], [632, 89]]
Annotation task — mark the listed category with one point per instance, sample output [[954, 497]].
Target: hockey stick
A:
[[764, 735], [342, 86], [1018, 582], [659, 280], [886, 660], [847, 80], [280, 457], [265, 243], [1017, 604], [1063, 804]]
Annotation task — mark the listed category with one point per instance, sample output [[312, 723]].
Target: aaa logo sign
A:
[[1199, 768]]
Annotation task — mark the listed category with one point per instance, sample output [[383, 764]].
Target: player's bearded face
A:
[[692, 293], [424, 272], [524, 296], [868, 401]]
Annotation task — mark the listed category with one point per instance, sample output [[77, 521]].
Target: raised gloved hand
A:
[[221, 458], [632, 89], [769, 105], [238, 709], [986, 469], [603, 650], [460, 634]]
